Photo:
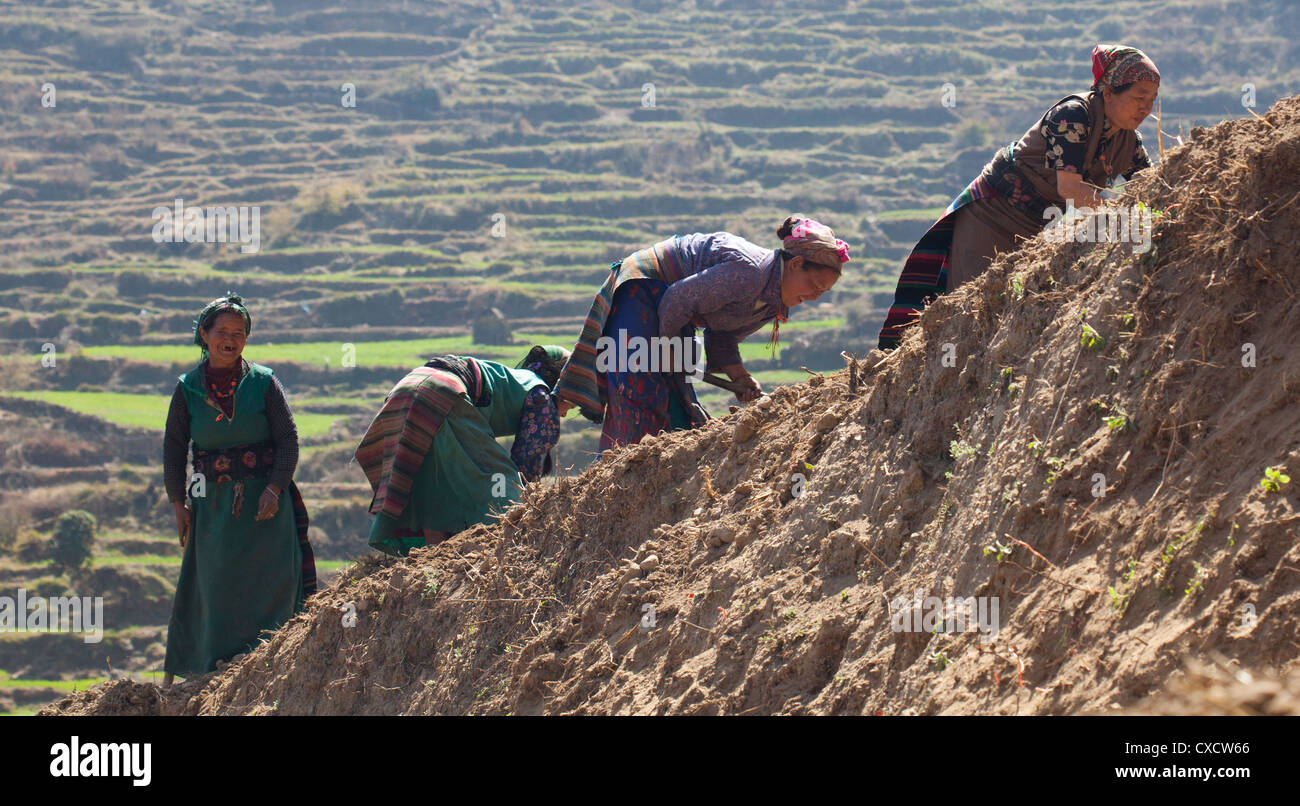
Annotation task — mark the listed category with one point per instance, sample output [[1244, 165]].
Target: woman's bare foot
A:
[[435, 536]]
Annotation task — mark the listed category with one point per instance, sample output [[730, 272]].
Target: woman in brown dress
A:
[[1075, 150]]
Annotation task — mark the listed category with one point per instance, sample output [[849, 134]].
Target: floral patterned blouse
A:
[[539, 430], [1066, 132]]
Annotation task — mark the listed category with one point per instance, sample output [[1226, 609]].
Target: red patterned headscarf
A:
[[1117, 65]]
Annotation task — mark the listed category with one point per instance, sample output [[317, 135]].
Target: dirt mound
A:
[[1216, 689], [124, 697], [1079, 436]]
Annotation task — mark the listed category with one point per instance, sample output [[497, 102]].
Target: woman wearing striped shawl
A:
[[659, 295], [431, 454], [1075, 150], [247, 566]]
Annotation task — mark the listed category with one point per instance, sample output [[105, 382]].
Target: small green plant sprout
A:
[[1273, 479], [997, 550], [1002, 379], [1011, 493], [960, 449], [1126, 323], [1132, 569], [940, 659], [1232, 534], [1017, 288], [1112, 372], [1194, 584], [844, 596], [430, 584], [1057, 464], [1035, 445], [1155, 214], [1167, 554], [1090, 339], [1119, 421], [1122, 595], [789, 614], [1096, 405], [1117, 600]]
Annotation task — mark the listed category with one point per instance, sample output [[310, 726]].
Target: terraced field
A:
[[504, 156]]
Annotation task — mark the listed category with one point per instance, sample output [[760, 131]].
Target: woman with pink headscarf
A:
[[1074, 151], [718, 281]]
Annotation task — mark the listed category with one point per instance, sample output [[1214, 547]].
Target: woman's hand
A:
[[1072, 187], [268, 503], [750, 390], [182, 520]]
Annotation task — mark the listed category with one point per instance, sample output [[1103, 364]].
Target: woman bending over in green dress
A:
[[431, 454]]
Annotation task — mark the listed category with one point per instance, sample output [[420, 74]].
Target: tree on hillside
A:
[[74, 538]]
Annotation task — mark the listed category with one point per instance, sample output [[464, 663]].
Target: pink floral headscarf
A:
[[817, 243]]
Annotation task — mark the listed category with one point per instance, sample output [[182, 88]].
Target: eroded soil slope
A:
[[1079, 433]]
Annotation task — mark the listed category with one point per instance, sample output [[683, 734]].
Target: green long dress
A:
[[239, 576], [467, 475]]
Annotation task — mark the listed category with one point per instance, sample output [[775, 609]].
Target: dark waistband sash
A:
[[238, 463]]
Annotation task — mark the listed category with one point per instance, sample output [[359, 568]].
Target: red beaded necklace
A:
[[222, 392]]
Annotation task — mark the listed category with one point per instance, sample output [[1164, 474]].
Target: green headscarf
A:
[[547, 360], [230, 302]]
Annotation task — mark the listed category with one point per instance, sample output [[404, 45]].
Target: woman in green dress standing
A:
[[431, 454], [247, 566]]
